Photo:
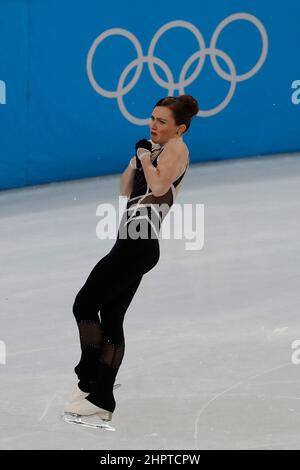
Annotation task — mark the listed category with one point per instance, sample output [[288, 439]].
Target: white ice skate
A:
[[87, 414]]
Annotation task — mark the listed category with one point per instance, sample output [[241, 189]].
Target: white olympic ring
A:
[[183, 82]]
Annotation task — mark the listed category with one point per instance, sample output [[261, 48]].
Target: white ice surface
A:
[[208, 335]]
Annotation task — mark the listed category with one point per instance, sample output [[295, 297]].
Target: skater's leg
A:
[[110, 355], [107, 286]]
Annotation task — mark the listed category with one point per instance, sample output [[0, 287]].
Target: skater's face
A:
[[163, 126]]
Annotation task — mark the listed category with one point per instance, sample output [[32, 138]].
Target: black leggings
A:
[[109, 289]]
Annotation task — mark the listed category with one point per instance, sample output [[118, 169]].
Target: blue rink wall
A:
[[78, 81]]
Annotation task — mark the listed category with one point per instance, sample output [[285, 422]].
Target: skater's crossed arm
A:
[[171, 161]]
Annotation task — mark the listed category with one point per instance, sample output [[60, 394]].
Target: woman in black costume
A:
[[151, 180]]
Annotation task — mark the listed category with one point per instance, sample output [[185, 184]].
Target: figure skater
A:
[[152, 179]]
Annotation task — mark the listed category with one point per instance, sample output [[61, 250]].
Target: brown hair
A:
[[184, 107]]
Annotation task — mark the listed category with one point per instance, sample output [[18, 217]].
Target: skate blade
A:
[[87, 421]]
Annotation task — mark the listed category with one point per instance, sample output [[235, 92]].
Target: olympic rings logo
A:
[[171, 85]]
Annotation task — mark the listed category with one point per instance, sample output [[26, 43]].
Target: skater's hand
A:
[[143, 148]]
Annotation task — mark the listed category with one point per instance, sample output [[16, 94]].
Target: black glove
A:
[[145, 144]]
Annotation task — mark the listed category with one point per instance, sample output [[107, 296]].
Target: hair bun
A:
[[190, 103]]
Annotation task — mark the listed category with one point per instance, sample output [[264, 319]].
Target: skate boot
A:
[[96, 409], [85, 413]]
